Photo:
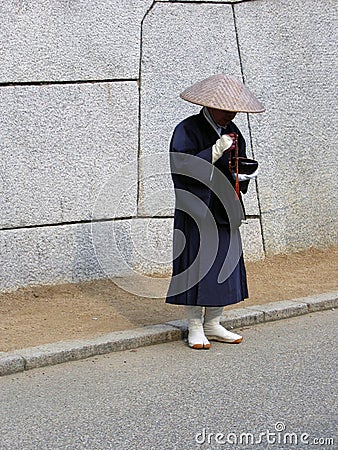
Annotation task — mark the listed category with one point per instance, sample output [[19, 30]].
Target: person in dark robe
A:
[[208, 266]]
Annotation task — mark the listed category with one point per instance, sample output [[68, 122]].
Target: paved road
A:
[[170, 397]]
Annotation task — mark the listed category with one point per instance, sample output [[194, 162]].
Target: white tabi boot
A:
[[214, 331], [196, 336]]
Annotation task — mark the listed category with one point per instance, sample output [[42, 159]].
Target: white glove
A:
[[243, 177], [222, 144]]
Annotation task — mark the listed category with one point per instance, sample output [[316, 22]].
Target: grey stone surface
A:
[[10, 363], [136, 248], [320, 302], [250, 199], [67, 253], [182, 43], [153, 245], [292, 72], [156, 190], [65, 147], [75, 252], [138, 337], [70, 40], [241, 317], [281, 310], [56, 353], [60, 352], [252, 240]]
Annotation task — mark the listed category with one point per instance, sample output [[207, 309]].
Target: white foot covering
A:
[[196, 336], [214, 331], [221, 334]]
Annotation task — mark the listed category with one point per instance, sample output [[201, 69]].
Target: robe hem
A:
[[204, 305]]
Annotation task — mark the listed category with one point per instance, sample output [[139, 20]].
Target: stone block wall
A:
[[89, 99]]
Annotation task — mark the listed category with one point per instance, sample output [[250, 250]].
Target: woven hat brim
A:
[[223, 92]]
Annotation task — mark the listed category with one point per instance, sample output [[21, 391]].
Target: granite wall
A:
[[88, 101]]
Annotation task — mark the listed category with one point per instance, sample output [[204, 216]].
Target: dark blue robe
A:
[[197, 268]]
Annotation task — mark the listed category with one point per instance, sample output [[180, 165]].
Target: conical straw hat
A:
[[223, 92]]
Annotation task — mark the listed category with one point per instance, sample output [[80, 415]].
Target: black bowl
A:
[[246, 166]]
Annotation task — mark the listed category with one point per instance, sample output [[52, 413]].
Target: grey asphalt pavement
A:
[[278, 385]]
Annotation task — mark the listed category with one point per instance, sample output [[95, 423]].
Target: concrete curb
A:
[[59, 352]]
